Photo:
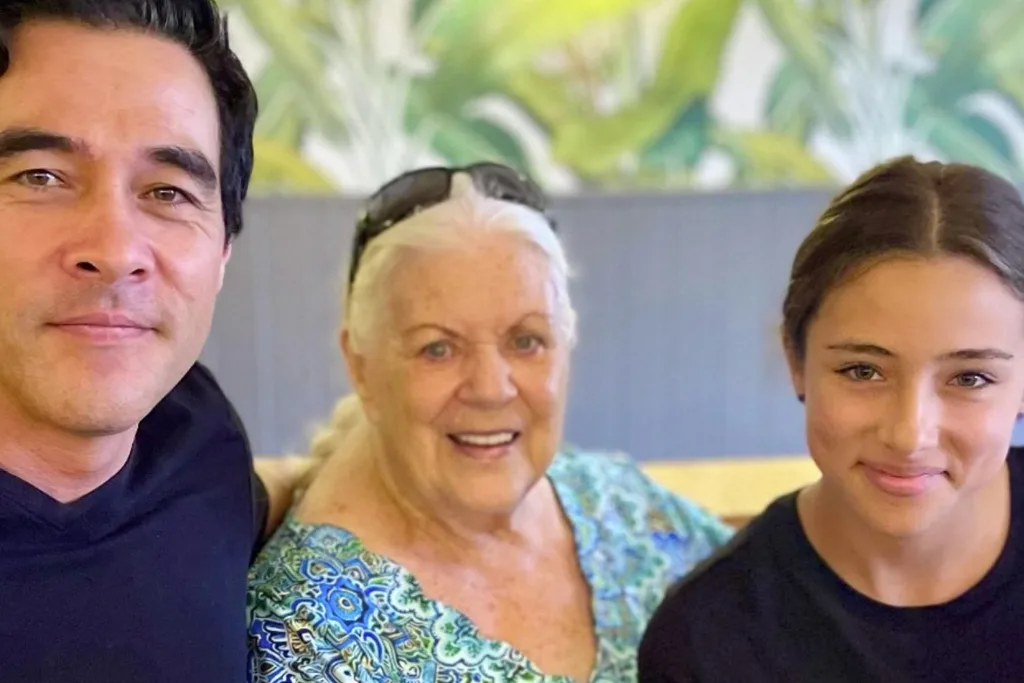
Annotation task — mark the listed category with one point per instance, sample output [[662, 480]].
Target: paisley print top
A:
[[323, 608]]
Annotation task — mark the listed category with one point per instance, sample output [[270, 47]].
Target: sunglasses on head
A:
[[417, 190]]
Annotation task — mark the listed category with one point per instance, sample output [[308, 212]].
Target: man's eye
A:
[[169, 195], [38, 178]]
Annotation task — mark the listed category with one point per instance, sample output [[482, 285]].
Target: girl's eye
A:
[[971, 380], [861, 373]]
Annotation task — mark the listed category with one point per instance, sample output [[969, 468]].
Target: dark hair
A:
[[198, 26], [905, 208]]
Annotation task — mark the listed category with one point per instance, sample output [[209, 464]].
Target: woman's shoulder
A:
[[612, 489], [318, 597], [610, 478], [572, 463], [597, 477], [309, 585], [305, 561]]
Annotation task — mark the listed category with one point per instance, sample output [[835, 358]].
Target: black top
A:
[[142, 580], [767, 608]]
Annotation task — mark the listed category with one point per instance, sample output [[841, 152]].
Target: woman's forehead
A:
[[491, 280], [925, 305]]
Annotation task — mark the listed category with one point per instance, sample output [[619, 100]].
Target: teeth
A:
[[497, 439]]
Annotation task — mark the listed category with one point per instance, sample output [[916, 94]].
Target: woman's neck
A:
[[357, 490], [446, 529], [930, 568]]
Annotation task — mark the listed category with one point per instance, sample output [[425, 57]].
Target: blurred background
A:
[[688, 145]]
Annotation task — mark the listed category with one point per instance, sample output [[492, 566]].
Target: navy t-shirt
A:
[[142, 580], [767, 608]]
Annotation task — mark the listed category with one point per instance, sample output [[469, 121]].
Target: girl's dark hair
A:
[[905, 207], [196, 25]]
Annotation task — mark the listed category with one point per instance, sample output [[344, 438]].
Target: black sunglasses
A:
[[416, 190]]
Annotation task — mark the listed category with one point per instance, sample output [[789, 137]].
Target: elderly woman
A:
[[446, 536]]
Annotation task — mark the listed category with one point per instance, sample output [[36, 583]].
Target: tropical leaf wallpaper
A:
[[609, 95]]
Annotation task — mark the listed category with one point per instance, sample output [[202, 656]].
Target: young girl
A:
[[904, 331]]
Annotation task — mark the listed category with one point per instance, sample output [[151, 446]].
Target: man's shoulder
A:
[[198, 388], [194, 441], [196, 413]]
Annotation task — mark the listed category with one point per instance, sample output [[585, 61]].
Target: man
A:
[[129, 510]]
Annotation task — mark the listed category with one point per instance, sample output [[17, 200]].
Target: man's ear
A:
[[795, 362], [224, 265]]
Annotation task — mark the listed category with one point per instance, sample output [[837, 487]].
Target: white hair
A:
[[449, 225]]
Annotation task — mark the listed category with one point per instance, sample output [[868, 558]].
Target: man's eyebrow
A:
[[191, 161], [18, 140]]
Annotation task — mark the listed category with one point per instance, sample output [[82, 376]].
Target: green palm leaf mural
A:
[[630, 94]]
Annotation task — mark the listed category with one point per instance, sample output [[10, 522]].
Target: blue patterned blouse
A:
[[324, 608]]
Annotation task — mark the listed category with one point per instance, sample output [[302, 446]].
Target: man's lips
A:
[[104, 319], [104, 326]]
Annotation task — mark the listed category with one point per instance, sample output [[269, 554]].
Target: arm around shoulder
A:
[[281, 477]]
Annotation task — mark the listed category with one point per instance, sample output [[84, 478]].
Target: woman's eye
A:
[[971, 380], [527, 343], [438, 350], [861, 373]]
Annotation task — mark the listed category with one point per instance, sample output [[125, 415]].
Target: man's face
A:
[[112, 244]]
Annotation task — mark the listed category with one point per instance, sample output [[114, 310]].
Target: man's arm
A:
[[280, 475]]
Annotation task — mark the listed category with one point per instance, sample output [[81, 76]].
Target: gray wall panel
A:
[[678, 297]]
